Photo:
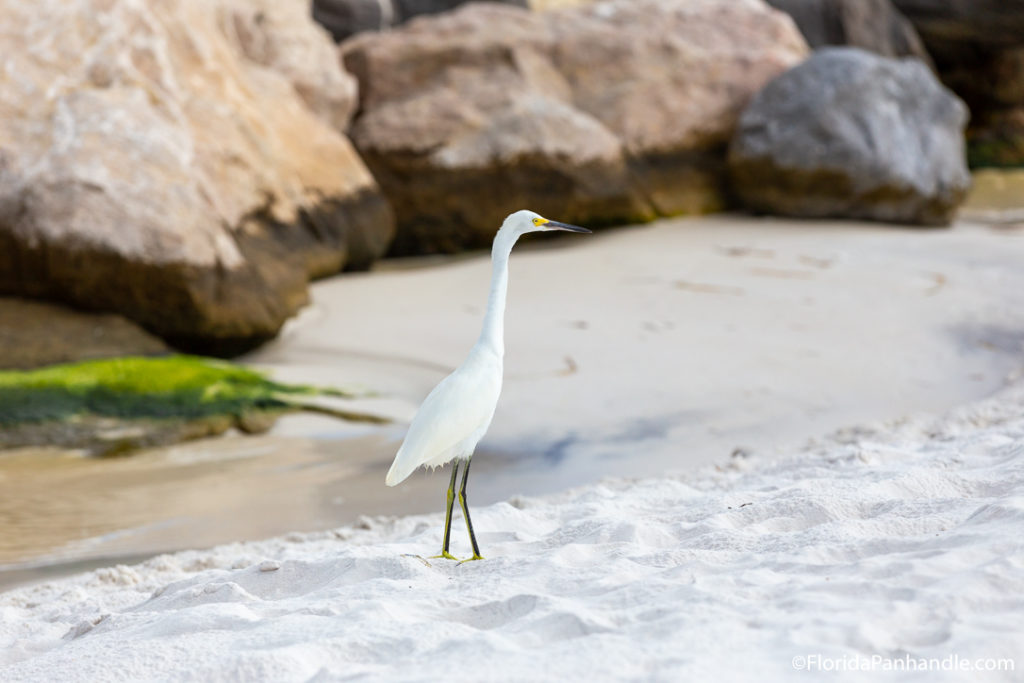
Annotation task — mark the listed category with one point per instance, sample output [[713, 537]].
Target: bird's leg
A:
[[448, 515], [465, 513]]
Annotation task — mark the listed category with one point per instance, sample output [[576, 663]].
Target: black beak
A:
[[555, 225]]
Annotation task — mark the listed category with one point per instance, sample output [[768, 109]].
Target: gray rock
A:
[[874, 25], [344, 18], [849, 134], [407, 9]]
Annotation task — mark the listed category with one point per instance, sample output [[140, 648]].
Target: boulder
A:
[[874, 25], [280, 37], [849, 134], [616, 112], [160, 161], [345, 18]]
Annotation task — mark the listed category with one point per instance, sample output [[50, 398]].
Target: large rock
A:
[[874, 25], [616, 112], [853, 135], [344, 18], [160, 160], [280, 36]]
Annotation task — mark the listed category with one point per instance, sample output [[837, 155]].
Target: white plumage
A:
[[456, 414], [453, 417]]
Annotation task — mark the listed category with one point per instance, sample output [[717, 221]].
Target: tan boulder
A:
[[614, 112], [150, 165], [281, 37], [670, 79]]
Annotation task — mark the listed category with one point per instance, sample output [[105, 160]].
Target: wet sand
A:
[[634, 352]]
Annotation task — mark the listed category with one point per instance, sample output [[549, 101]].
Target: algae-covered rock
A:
[[119, 404]]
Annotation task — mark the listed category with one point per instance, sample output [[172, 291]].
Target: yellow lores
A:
[[456, 414]]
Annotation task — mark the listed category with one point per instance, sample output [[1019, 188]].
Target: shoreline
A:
[[741, 335]]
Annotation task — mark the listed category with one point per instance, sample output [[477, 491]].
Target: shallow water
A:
[[65, 512]]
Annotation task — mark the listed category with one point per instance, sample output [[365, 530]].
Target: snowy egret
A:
[[456, 414]]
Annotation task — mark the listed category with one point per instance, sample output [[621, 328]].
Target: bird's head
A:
[[522, 222]]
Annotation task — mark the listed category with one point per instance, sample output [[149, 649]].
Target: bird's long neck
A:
[[492, 337]]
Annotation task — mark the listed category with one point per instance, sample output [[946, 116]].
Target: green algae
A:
[[178, 386]]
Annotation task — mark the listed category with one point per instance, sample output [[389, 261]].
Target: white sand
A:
[[896, 541]]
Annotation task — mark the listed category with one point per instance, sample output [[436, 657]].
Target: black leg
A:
[[465, 513], [448, 513]]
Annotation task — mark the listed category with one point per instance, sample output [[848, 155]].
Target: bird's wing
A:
[[459, 406]]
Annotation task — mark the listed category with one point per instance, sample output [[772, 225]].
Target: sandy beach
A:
[[896, 548], [637, 352]]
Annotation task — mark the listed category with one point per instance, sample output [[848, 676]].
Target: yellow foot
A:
[[471, 559], [445, 555]]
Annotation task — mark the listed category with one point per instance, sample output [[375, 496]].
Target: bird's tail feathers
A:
[[394, 478], [400, 470]]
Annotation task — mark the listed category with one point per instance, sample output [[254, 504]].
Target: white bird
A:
[[456, 414]]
